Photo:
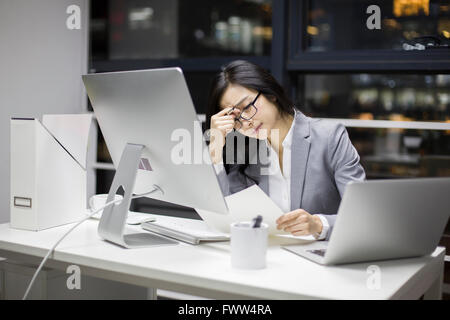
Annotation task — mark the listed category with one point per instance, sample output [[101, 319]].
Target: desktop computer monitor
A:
[[152, 112]]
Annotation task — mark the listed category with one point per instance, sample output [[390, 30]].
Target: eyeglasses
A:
[[247, 113]]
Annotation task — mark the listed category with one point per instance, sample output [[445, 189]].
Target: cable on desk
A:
[[157, 188]]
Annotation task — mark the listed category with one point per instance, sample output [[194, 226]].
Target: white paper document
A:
[[244, 206]]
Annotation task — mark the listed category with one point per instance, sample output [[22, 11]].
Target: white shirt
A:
[[280, 182]]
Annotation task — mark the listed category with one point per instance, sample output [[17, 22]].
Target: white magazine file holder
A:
[[48, 171]]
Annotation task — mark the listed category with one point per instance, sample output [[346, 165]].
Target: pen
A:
[[257, 221]]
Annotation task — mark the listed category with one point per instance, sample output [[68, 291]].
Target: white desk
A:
[[205, 270]]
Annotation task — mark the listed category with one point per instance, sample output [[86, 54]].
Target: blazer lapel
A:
[[299, 159]]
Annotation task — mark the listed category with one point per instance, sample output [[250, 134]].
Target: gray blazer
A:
[[323, 161]]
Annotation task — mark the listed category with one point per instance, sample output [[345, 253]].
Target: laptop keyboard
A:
[[320, 252]]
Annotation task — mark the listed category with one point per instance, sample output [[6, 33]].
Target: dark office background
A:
[[329, 61]]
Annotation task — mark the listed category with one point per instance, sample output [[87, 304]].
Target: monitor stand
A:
[[112, 224]]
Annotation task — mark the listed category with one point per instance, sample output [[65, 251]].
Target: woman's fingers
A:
[[226, 127], [290, 218], [225, 118], [230, 117], [301, 233], [293, 222], [224, 122], [299, 222], [297, 227], [223, 112], [221, 124]]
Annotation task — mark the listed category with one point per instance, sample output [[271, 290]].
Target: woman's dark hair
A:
[[250, 76]]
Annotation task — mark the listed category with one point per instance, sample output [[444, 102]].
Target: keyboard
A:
[[188, 230]]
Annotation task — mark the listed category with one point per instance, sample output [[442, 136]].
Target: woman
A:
[[310, 160]]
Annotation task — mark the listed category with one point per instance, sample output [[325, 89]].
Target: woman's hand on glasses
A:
[[222, 123]]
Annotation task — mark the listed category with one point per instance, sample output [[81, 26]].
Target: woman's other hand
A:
[[299, 223]]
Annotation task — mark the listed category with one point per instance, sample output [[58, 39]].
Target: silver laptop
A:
[[384, 219]]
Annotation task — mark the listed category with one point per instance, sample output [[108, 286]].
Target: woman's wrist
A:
[[217, 142], [318, 224], [215, 154]]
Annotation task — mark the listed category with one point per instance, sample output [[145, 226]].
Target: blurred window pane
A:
[[400, 97], [400, 153], [404, 25], [161, 29]]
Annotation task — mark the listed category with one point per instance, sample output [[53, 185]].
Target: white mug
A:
[[248, 245], [99, 200]]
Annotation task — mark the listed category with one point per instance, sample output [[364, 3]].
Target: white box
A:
[[48, 171]]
